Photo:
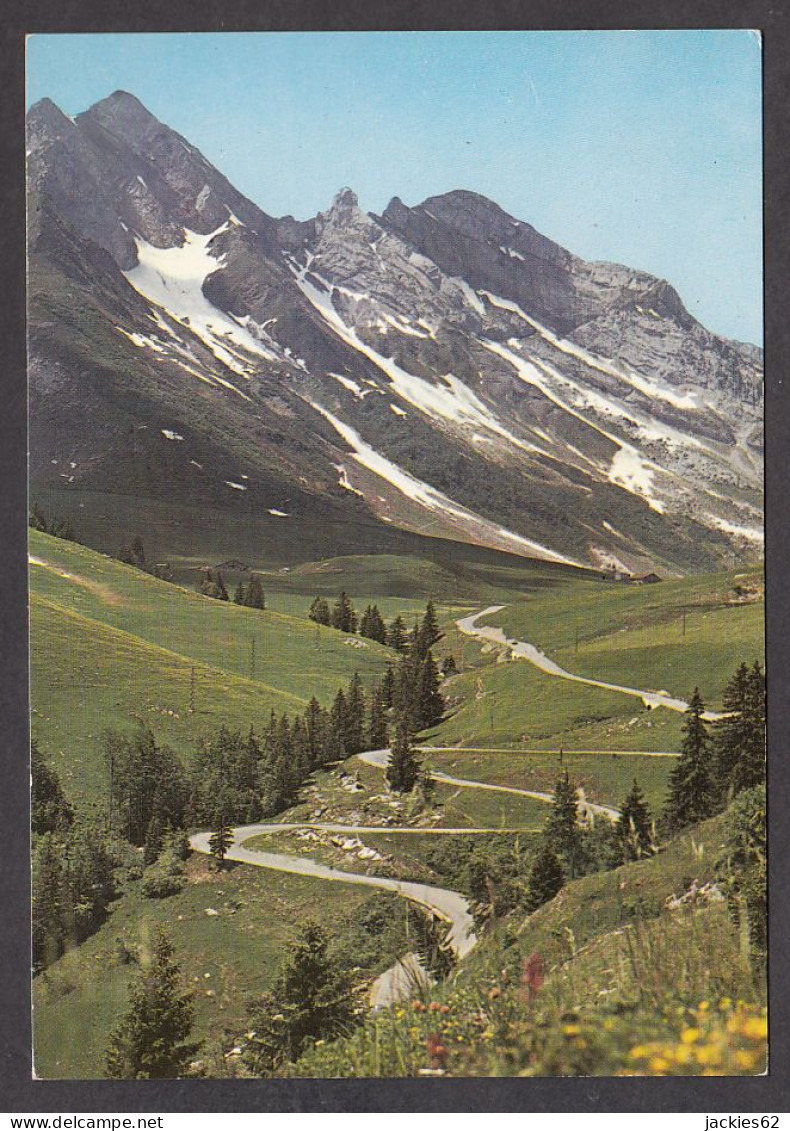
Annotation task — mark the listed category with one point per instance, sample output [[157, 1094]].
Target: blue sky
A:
[[638, 147]]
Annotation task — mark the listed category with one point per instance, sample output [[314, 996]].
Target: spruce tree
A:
[[378, 732], [739, 737], [311, 1000], [254, 597], [430, 698], [48, 910], [221, 837], [634, 825], [49, 810], [397, 636], [151, 1040], [138, 553], [546, 878], [343, 616], [403, 767], [429, 629], [238, 593], [388, 687], [339, 721], [319, 611], [692, 790], [355, 716], [154, 840], [561, 831], [222, 593]]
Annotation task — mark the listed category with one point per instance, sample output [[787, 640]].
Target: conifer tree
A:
[[138, 553], [48, 900], [429, 629], [692, 791], [378, 731], [154, 840], [388, 687], [739, 737], [634, 825], [316, 725], [238, 593], [546, 878], [311, 1000], [254, 597], [372, 625], [339, 721], [403, 767], [151, 1040], [222, 593], [49, 810], [430, 698], [397, 636], [319, 611], [343, 614], [561, 831], [221, 837], [355, 716]]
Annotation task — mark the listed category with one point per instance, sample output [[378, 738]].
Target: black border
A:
[[18, 1093]]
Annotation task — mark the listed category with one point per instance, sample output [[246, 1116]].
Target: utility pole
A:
[[252, 657], [576, 644], [192, 691], [684, 624]]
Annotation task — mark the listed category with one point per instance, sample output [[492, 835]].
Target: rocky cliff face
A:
[[444, 369]]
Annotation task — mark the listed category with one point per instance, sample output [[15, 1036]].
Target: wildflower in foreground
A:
[[437, 1053], [533, 974]]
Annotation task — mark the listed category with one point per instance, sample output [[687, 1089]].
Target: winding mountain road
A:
[[379, 758], [450, 906], [523, 650]]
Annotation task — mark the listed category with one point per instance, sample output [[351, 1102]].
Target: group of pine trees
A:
[[232, 778], [722, 759], [343, 616], [212, 584], [73, 869], [57, 527], [717, 764]]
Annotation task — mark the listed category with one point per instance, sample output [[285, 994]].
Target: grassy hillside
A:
[[225, 958], [671, 636], [604, 777], [634, 981], [112, 646]]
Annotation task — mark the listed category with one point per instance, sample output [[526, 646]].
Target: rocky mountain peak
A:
[[121, 114]]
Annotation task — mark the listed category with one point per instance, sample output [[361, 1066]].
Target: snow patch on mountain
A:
[[173, 277], [754, 534], [631, 470], [682, 400], [451, 400], [428, 497]]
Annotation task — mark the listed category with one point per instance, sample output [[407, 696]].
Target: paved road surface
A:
[[380, 757], [522, 650]]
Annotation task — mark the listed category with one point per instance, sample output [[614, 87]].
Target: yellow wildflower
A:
[[689, 1036], [756, 1028]]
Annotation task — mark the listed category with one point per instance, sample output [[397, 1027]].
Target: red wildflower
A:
[[437, 1053], [533, 973]]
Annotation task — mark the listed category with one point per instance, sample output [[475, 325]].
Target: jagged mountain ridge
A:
[[444, 368]]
